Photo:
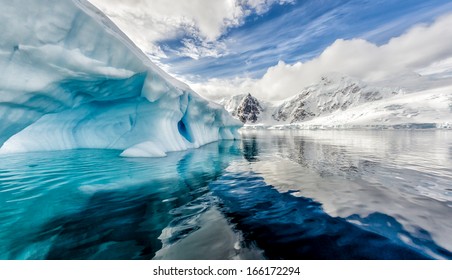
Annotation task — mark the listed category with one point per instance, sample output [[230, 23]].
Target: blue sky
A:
[[275, 48], [299, 32]]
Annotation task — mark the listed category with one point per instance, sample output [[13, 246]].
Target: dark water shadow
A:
[[250, 149], [290, 227]]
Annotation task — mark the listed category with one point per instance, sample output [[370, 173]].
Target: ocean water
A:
[[271, 195]]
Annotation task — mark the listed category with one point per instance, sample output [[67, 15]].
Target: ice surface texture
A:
[[69, 78]]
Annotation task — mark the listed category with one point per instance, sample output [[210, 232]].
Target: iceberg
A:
[[71, 79]]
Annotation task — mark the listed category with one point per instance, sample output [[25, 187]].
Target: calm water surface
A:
[[274, 195]]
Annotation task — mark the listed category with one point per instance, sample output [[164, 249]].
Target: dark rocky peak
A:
[[249, 109]]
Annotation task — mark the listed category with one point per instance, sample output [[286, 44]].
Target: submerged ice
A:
[[71, 79]]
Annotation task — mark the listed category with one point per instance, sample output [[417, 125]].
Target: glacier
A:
[[70, 79]]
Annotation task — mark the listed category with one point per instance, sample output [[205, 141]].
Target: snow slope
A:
[[332, 93], [425, 109], [71, 79]]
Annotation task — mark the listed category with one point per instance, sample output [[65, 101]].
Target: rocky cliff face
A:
[[249, 109], [244, 107]]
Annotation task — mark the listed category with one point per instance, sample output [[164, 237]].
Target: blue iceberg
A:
[[71, 79]]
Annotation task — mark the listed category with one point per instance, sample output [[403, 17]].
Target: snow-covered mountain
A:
[[71, 79], [430, 108], [331, 94], [343, 102]]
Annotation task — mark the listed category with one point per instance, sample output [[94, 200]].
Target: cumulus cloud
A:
[[418, 48], [147, 22]]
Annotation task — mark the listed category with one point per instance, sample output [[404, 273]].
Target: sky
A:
[[275, 48]]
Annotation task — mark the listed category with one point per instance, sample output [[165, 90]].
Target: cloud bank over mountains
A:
[[419, 47]]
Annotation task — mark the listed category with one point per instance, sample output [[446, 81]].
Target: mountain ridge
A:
[[343, 102], [330, 94]]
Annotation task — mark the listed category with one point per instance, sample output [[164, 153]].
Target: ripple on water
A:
[[279, 195]]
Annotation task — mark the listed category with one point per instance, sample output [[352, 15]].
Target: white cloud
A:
[[148, 21], [262, 6], [417, 48], [216, 89], [197, 49]]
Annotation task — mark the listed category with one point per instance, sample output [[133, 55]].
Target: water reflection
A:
[[250, 148], [403, 175], [122, 214], [289, 227], [278, 195]]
